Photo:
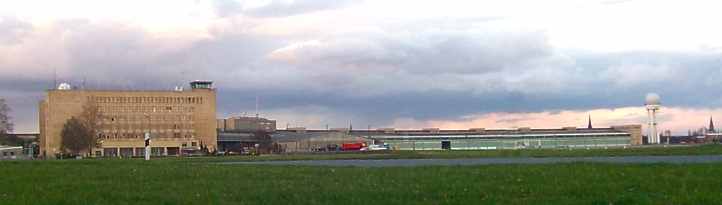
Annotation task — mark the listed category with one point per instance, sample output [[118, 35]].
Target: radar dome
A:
[[64, 86], [652, 99]]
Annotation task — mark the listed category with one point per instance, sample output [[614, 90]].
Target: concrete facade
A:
[[472, 139], [12, 153], [246, 124], [521, 138], [175, 119], [315, 140]]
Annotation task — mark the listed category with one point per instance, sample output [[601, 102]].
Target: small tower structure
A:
[[711, 126], [652, 103], [589, 125]]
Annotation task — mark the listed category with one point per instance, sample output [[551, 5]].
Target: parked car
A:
[[376, 147]]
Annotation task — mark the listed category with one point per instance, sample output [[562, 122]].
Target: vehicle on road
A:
[[353, 146], [377, 147]]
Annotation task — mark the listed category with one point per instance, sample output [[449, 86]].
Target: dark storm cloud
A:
[[373, 77], [23, 95], [278, 8]]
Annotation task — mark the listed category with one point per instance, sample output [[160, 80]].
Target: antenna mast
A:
[[55, 78]]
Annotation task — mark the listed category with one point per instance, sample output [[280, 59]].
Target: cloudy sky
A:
[[380, 63]]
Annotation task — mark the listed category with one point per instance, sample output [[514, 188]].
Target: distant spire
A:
[[589, 126], [350, 126], [711, 125]]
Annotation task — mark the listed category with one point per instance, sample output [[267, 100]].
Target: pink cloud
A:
[[676, 119]]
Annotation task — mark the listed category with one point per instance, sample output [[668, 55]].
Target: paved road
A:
[[490, 161]]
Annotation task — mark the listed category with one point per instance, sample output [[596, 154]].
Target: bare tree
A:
[[80, 135], [90, 118], [74, 136]]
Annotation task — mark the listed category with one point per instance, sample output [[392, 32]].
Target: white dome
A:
[[64, 86], [652, 99]]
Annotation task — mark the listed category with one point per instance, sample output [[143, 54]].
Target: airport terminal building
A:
[[302, 140], [521, 138], [177, 120]]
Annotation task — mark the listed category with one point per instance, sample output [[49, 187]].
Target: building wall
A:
[[12, 153], [492, 144], [247, 124], [309, 142], [615, 136], [183, 116], [635, 132]]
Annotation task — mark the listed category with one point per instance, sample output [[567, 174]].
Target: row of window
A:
[[161, 128], [145, 109], [141, 136], [142, 119], [173, 100], [5, 154]]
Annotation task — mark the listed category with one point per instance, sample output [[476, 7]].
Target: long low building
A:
[[12, 153], [471, 139], [481, 139]]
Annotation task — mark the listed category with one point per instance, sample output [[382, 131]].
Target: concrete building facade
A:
[[177, 119], [12, 153], [521, 138], [471, 139], [246, 124], [301, 140]]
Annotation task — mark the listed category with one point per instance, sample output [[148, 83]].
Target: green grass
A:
[[200, 181], [712, 149], [183, 181]]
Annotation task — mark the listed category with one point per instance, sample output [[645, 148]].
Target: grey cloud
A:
[[429, 52], [374, 78], [278, 8]]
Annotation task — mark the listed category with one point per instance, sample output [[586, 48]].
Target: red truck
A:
[[352, 146]]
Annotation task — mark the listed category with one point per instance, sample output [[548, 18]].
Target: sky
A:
[[451, 64]]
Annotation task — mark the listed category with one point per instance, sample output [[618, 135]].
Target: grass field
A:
[[197, 181], [636, 151], [190, 182]]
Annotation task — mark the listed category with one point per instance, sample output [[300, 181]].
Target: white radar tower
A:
[[652, 102]]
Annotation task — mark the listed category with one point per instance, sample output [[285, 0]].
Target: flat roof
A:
[[3, 147], [501, 136], [465, 132]]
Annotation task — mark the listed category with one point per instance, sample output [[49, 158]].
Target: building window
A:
[[194, 144], [12, 153]]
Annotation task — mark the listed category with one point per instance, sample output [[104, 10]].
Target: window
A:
[[194, 144], [12, 153], [185, 144]]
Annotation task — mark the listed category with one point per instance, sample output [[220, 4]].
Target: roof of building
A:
[[3, 147], [292, 135], [466, 132], [236, 137]]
